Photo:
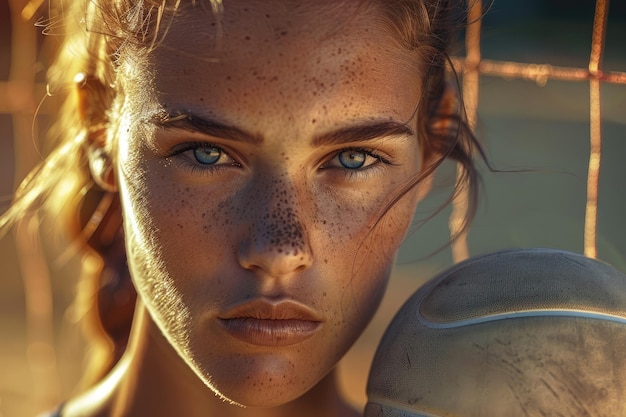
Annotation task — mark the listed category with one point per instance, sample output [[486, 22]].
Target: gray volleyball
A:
[[535, 332]]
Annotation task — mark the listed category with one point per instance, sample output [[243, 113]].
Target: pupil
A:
[[352, 159], [207, 155]]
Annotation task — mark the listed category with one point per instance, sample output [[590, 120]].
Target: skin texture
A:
[[277, 220]]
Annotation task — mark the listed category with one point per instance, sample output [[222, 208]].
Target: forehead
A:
[[277, 56], [272, 23]]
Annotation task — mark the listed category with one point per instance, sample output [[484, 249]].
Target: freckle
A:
[[325, 261], [283, 33], [313, 121], [228, 77]]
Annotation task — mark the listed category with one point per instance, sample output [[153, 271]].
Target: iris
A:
[[207, 155], [352, 159]]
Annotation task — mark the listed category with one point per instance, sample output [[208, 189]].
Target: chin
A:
[[262, 381], [259, 397]]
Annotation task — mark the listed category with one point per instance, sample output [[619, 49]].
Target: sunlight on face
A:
[[253, 178]]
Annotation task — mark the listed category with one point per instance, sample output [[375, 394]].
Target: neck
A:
[[152, 380]]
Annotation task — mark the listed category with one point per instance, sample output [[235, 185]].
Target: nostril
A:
[[274, 263], [271, 258]]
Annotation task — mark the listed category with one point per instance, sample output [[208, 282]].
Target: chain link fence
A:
[[472, 66]]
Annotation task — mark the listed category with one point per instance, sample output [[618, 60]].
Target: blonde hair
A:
[[96, 36]]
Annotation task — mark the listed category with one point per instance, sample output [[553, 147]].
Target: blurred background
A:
[[541, 129]]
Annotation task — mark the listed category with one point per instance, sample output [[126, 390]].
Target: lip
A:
[[265, 323]]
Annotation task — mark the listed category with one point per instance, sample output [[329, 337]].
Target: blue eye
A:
[[352, 159], [207, 155], [202, 158], [355, 160]]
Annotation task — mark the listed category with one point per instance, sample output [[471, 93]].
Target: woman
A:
[[265, 159]]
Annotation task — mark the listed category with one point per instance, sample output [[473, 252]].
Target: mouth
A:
[[264, 323]]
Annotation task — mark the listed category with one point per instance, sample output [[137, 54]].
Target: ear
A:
[[93, 100], [101, 168], [447, 108], [442, 124]]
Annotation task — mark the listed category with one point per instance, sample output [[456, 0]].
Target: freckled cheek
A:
[[195, 218], [183, 222], [347, 225], [395, 223], [368, 254]]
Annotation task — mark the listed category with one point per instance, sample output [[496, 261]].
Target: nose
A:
[[277, 245]]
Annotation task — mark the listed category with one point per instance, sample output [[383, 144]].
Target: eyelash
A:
[[195, 167], [189, 162], [380, 162]]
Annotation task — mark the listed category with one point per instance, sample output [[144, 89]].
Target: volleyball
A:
[[533, 332]]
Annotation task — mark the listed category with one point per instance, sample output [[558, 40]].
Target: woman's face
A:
[[253, 170]]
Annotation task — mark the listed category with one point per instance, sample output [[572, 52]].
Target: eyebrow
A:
[[363, 131], [187, 121]]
